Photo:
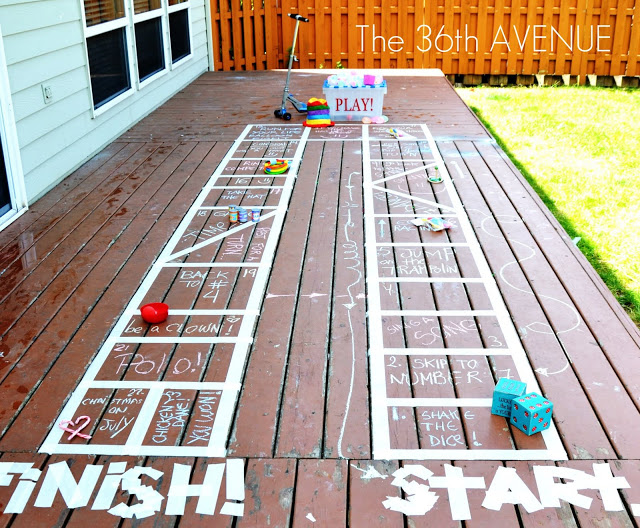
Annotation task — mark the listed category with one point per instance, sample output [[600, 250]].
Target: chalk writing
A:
[[115, 426], [234, 245], [220, 282], [439, 371], [274, 132], [173, 412], [205, 414], [205, 233]]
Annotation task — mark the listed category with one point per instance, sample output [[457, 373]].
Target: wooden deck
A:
[[333, 357]]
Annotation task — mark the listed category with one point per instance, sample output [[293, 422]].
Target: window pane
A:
[[149, 47], [108, 65], [179, 31], [5, 195], [98, 11], [176, 2], [142, 6]]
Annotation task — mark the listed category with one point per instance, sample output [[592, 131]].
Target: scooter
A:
[[281, 113]]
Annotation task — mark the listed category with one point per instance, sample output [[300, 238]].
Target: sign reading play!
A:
[[355, 103]]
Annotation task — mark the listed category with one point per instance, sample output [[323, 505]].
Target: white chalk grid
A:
[[439, 332], [171, 389]]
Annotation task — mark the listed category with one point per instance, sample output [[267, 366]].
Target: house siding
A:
[[44, 44]]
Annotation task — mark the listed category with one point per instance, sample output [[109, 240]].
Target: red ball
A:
[[154, 313]]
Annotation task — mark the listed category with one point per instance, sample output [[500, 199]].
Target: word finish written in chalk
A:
[[147, 500]]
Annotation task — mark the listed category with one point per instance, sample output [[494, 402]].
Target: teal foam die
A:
[[505, 391], [531, 413]]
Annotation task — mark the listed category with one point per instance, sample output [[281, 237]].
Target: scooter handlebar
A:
[[298, 17]]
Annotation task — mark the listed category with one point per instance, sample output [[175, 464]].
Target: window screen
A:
[[108, 65], [149, 47], [179, 31]]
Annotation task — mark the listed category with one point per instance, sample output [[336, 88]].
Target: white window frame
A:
[[10, 147], [99, 29], [160, 13], [173, 9], [128, 22]]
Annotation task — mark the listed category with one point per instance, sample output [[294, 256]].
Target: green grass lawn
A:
[[579, 148]]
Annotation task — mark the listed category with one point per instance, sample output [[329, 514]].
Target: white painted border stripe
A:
[[422, 244], [226, 207], [442, 351], [124, 450], [436, 313], [470, 454], [245, 187], [429, 279], [414, 215], [265, 175], [379, 419], [177, 339], [130, 313], [164, 385], [439, 402], [406, 160], [215, 264]]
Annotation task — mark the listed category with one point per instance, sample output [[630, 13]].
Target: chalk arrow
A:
[[381, 223], [273, 295], [544, 371], [349, 306]]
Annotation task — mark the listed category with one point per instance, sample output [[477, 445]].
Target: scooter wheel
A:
[[277, 113], [286, 116]]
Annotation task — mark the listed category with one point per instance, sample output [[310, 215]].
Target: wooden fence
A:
[[496, 37]]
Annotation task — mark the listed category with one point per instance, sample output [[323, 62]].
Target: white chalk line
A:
[[349, 306], [532, 254], [230, 387]]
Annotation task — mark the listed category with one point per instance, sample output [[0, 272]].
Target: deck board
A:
[[304, 423]]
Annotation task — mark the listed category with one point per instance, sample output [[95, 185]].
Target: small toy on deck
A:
[[399, 134], [233, 214], [276, 166], [318, 114], [243, 215], [531, 413], [154, 313], [505, 391], [432, 223], [377, 120], [435, 178], [64, 425]]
